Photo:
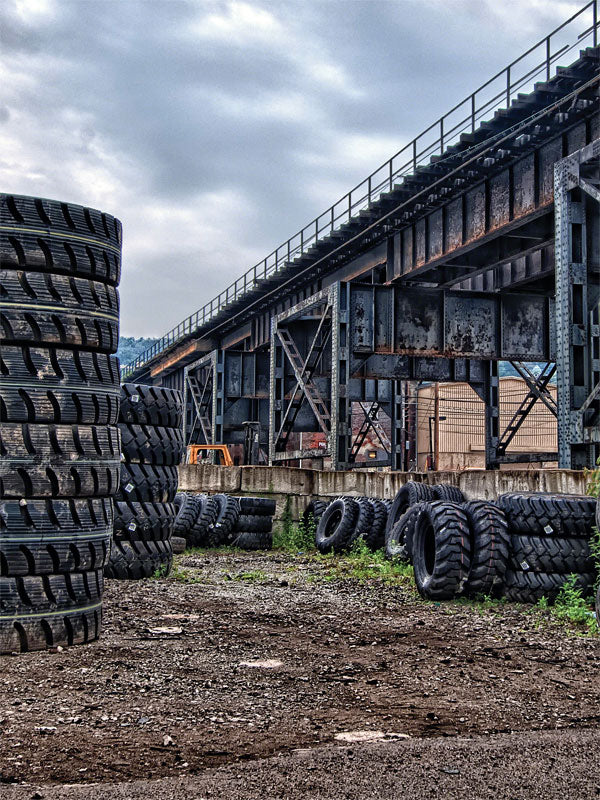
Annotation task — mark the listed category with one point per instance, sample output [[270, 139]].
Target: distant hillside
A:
[[130, 348]]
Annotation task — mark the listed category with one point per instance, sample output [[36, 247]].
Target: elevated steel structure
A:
[[478, 242]]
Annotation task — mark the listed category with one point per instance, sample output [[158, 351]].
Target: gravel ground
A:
[[259, 669]]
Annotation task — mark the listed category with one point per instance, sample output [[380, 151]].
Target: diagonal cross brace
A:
[[303, 374], [537, 391], [368, 423]]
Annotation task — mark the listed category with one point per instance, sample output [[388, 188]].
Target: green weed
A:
[[293, 538], [570, 607]]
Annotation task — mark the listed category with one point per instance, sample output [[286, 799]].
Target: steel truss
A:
[[577, 255]]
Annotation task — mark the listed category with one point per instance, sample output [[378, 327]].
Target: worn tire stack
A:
[[253, 528], [59, 398], [549, 541], [150, 424]]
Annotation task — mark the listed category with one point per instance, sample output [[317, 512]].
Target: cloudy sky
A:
[[214, 130]]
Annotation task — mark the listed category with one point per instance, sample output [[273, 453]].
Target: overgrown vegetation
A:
[[362, 565], [293, 538], [571, 607]]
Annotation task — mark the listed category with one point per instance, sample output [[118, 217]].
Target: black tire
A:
[[490, 543], [313, 511], [365, 517], [146, 483], [253, 524], [598, 607], [147, 522], [257, 506], [337, 527], [45, 537], [398, 541], [178, 545], [228, 513], [441, 550], [37, 612], [445, 491], [58, 460], [186, 514], [253, 540], [147, 444], [205, 518], [40, 309], [49, 385], [151, 405], [50, 236], [550, 554], [136, 560], [375, 536], [536, 514], [529, 587], [407, 496]]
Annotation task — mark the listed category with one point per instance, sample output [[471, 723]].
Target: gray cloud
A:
[[214, 130]]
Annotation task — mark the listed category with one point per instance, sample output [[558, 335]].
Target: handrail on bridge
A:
[[430, 142]]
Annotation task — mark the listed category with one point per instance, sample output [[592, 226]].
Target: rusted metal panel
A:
[[384, 317], [549, 155], [470, 326], [421, 241], [454, 225], [525, 327], [397, 269], [475, 212], [418, 321], [524, 186], [499, 189], [362, 316], [407, 249], [233, 375], [576, 138], [435, 234]]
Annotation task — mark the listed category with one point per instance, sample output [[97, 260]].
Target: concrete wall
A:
[[300, 485]]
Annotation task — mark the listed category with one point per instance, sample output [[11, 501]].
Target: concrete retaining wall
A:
[[300, 485]]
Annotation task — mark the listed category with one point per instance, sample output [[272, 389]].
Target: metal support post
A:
[[488, 390], [341, 416], [576, 307]]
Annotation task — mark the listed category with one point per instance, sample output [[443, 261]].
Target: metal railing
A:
[[495, 93]]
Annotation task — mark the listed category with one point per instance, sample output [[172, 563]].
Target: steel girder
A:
[[223, 391], [577, 255]]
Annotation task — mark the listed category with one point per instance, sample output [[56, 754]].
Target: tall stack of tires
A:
[[150, 423], [60, 266], [549, 541]]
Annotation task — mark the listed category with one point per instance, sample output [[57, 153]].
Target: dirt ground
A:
[[255, 676]]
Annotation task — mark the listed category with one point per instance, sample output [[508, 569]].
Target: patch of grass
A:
[[362, 565], [571, 608], [253, 576], [184, 575]]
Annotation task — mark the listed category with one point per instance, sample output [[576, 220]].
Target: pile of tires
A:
[[349, 519], [150, 424], [549, 541], [522, 547], [59, 400], [215, 520]]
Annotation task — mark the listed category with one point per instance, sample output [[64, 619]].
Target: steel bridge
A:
[[478, 242]]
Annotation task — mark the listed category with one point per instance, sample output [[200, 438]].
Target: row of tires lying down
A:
[[221, 519], [522, 547]]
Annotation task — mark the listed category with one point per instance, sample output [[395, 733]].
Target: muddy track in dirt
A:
[[260, 657]]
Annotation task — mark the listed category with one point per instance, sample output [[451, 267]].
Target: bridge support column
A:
[[341, 406], [576, 198]]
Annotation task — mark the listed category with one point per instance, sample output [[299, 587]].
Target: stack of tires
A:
[[150, 424], [549, 541], [253, 529], [220, 519], [59, 399]]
